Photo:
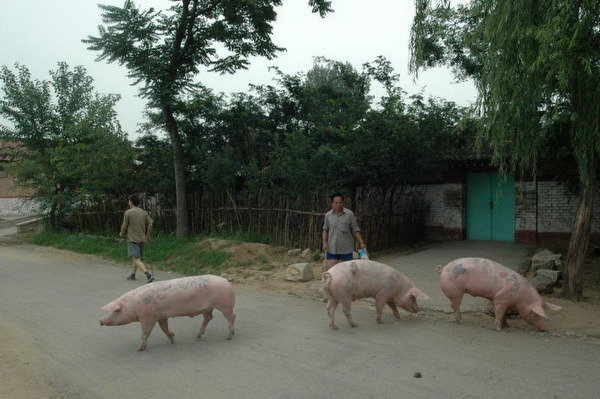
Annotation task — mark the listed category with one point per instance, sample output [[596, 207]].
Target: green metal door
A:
[[490, 207]]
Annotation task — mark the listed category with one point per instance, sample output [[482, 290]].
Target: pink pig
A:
[[485, 278], [186, 296], [348, 281]]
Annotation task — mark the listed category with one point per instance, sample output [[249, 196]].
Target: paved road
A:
[[282, 348]]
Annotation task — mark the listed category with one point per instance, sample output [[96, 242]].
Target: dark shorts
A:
[[342, 257], [135, 249]]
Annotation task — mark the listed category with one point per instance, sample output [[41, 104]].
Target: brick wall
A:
[[525, 212], [556, 213], [544, 212], [446, 210]]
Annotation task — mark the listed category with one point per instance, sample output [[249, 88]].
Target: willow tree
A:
[[164, 51], [536, 64]]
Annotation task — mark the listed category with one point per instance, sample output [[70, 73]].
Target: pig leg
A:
[[331, 306], [455, 303], [230, 316], [380, 302], [346, 305], [501, 312], [455, 300], [147, 326], [164, 325], [207, 317], [394, 308], [504, 323]]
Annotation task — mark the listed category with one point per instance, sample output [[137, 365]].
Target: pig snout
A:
[[415, 309], [412, 307], [114, 319], [105, 321], [537, 321], [409, 301]]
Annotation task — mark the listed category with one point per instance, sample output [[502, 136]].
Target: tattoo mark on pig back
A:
[[194, 282], [458, 270], [486, 268], [353, 268], [162, 289], [150, 299], [512, 279]]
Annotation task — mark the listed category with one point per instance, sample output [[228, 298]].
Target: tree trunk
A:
[[180, 179], [580, 237]]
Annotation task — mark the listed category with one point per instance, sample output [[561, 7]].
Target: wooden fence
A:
[[291, 222]]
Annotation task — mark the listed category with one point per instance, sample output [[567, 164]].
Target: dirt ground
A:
[[263, 267]]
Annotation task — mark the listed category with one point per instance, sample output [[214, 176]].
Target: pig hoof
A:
[[333, 326], [353, 325]]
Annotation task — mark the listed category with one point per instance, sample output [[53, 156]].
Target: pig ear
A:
[[551, 306], [112, 306], [418, 294], [538, 310]]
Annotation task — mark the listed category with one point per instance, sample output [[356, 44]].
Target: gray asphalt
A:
[[283, 347]]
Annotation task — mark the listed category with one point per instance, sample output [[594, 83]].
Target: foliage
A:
[[164, 51], [537, 68], [68, 144], [154, 165], [318, 130]]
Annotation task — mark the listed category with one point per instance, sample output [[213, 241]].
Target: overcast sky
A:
[[41, 33]]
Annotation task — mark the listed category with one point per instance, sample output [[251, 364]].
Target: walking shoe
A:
[[131, 277], [150, 279]]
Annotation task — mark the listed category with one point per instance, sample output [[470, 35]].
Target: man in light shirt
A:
[[137, 224], [339, 231]]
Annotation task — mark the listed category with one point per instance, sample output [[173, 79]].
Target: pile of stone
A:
[[546, 269], [300, 271]]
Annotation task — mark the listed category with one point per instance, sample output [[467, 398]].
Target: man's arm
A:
[[148, 231], [361, 243], [325, 240], [124, 227]]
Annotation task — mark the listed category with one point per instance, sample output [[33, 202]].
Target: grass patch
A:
[[244, 237], [167, 252], [109, 247]]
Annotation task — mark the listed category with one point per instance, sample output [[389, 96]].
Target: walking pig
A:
[[485, 278], [186, 296], [348, 281]]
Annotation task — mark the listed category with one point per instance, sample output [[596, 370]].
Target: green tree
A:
[[164, 51], [154, 165], [68, 145], [537, 66], [326, 105]]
